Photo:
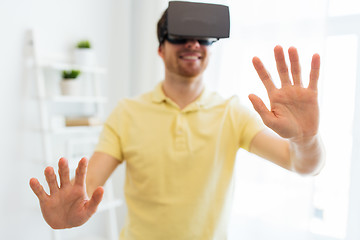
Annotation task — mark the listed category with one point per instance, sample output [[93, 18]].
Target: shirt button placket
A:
[[180, 140]]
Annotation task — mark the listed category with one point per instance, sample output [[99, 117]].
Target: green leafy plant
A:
[[84, 44], [70, 74]]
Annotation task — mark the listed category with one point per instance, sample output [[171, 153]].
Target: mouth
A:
[[191, 56]]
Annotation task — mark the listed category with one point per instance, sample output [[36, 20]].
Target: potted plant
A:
[[84, 44], [84, 54], [70, 85]]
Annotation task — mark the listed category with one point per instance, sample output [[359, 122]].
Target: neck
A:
[[183, 90]]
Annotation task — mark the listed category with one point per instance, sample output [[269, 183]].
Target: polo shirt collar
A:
[[158, 96]]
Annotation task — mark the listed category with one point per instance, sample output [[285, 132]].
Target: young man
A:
[[179, 143]]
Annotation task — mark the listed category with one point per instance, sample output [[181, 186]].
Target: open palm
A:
[[294, 109], [68, 205]]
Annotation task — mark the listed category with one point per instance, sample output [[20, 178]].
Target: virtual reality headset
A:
[[190, 20]]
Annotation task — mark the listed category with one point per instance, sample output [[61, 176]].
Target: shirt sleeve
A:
[[247, 123], [109, 139]]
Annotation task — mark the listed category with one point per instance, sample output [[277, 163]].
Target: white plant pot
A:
[[84, 57], [70, 87]]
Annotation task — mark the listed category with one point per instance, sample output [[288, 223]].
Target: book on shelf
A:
[[82, 121]]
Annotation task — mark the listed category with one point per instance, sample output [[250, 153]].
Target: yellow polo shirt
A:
[[179, 163]]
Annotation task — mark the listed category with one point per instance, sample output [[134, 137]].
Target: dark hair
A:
[[162, 27]]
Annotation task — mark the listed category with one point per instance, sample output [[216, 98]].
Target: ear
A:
[[161, 51]]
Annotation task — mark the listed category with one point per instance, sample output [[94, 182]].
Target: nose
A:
[[192, 44]]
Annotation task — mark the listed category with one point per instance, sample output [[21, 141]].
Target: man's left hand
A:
[[294, 112]]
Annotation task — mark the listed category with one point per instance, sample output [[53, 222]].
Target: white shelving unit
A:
[[76, 141]]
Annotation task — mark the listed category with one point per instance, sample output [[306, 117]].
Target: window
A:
[[270, 202], [331, 188], [344, 7]]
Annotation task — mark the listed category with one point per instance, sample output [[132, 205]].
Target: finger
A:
[[95, 200], [64, 172], [315, 71], [281, 66], [38, 189], [51, 180], [263, 74], [81, 172], [295, 66], [260, 108]]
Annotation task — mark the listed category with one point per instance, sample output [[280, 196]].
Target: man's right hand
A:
[[67, 206]]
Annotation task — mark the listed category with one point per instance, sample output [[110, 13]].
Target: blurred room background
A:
[[38, 42]]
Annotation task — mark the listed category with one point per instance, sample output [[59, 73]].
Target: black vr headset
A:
[[204, 22]]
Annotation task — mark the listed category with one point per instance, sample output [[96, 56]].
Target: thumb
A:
[[95, 200], [260, 108]]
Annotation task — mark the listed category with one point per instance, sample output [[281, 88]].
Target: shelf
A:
[[91, 238], [109, 205], [60, 117], [64, 66], [85, 236], [77, 99], [79, 129]]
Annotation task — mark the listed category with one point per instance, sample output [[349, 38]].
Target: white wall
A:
[[123, 34], [60, 24]]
